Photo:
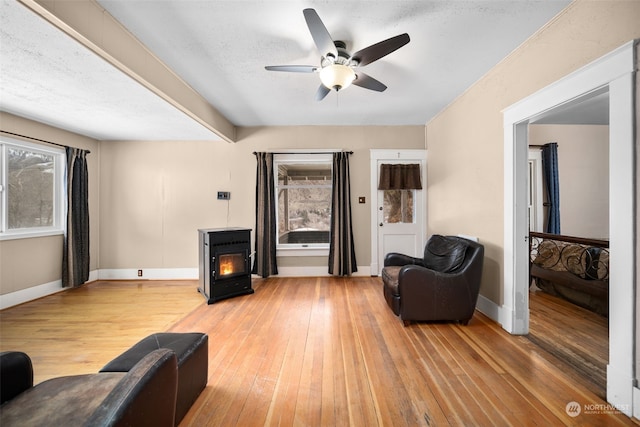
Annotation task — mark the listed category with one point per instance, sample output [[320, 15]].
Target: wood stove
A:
[[225, 268]]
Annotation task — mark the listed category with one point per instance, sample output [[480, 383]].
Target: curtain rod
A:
[[304, 152], [37, 139]]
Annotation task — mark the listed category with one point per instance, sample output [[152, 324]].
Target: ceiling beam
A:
[[88, 23]]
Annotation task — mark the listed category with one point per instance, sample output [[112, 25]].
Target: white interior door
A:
[[398, 217]]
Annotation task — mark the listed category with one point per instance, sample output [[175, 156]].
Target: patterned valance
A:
[[400, 177]]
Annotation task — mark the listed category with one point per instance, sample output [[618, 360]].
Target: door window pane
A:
[[397, 206]]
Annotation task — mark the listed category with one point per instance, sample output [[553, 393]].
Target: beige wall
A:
[[25, 263], [155, 195], [465, 140], [583, 175]]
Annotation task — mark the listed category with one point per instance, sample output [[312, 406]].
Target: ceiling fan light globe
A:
[[337, 76]]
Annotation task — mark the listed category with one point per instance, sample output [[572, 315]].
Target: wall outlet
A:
[[224, 195], [139, 273]]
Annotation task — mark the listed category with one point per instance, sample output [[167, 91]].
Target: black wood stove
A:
[[225, 268]]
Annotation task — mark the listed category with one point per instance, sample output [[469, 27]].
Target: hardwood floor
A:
[[573, 336], [80, 330], [311, 351]]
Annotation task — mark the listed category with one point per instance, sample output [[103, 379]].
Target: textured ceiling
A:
[[220, 48], [48, 77]]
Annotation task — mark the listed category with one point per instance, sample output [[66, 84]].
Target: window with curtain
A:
[[550, 168], [303, 192], [398, 182], [31, 189]]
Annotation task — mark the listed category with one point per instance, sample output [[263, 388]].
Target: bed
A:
[[573, 268]]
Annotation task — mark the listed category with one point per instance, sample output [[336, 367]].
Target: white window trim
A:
[[303, 251], [306, 249], [59, 223]]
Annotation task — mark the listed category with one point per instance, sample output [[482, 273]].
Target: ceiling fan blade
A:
[[368, 82], [378, 50], [321, 36], [292, 68], [322, 92]]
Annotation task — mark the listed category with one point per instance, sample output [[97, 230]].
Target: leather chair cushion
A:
[[443, 254]]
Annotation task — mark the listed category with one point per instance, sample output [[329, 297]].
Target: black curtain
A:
[[264, 263], [342, 254], [75, 256], [550, 168]]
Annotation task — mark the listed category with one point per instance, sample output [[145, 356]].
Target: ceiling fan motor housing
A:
[[344, 57]]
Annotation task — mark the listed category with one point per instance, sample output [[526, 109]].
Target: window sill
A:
[[30, 234], [300, 251]]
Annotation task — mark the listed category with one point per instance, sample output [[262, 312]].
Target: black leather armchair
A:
[[442, 286], [146, 395]]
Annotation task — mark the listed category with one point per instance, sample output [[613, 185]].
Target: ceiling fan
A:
[[337, 68]]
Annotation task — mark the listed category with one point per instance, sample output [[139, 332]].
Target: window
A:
[[303, 193], [398, 206], [31, 190]]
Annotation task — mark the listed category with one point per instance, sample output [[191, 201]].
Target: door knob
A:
[[381, 224]]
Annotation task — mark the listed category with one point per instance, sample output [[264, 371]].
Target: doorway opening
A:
[[614, 72], [568, 293]]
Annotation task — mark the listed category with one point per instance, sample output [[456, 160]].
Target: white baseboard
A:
[[30, 294], [620, 393], [488, 308], [39, 291], [503, 315], [636, 402], [93, 276], [149, 274], [316, 271], [193, 274]]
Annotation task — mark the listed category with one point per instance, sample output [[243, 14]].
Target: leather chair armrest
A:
[[414, 279], [397, 259], [435, 295], [16, 374], [145, 396]]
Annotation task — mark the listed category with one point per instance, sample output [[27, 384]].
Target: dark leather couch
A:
[[146, 395], [443, 285]]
